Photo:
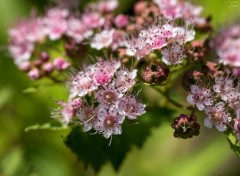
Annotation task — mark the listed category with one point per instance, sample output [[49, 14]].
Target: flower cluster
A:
[[220, 101], [100, 98], [96, 26], [175, 9], [165, 36], [227, 45]]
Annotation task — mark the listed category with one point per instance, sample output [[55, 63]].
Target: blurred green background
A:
[[43, 152]]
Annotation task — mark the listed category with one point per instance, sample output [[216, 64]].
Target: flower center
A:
[[109, 97], [109, 122], [130, 108]]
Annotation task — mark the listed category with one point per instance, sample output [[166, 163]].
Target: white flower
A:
[[218, 116], [200, 97]]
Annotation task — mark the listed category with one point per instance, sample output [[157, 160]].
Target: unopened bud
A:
[[44, 56], [60, 64], [34, 74], [47, 68], [185, 126], [155, 74]]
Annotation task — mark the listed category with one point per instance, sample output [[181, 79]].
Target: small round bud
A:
[[60, 64], [24, 66], [44, 56], [185, 126], [155, 74], [76, 103], [47, 68], [34, 74], [38, 63]]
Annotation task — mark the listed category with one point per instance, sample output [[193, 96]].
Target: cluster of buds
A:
[[100, 98]]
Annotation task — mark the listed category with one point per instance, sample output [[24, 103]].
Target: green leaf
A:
[[46, 126], [30, 90], [234, 144], [94, 150]]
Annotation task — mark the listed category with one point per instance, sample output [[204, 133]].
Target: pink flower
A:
[[130, 107], [121, 21], [158, 36], [93, 20], [218, 116], [173, 9], [125, 79], [81, 84], [60, 64], [227, 45], [109, 121], [21, 51], [200, 96], [104, 71], [170, 8], [78, 30], [35, 30], [173, 54], [103, 39], [56, 23]]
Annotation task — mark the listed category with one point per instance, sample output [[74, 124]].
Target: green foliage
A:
[[233, 142], [94, 149]]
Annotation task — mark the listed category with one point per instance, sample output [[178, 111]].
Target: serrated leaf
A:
[[46, 126], [94, 150], [234, 144]]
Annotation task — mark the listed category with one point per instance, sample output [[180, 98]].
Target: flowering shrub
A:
[[112, 59]]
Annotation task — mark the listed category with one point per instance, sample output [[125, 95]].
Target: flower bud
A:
[[44, 56], [38, 63], [47, 68], [155, 74], [76, 103], [60, 64], [185, 126], [34, 74]]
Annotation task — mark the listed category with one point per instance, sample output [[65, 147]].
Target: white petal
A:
[[208, 123]]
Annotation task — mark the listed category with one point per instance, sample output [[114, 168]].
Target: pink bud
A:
[[60, 64], [24, 66], [38, 63], [47, 68], [121, 21], [34, 74], [44, 56], [76, 103]]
